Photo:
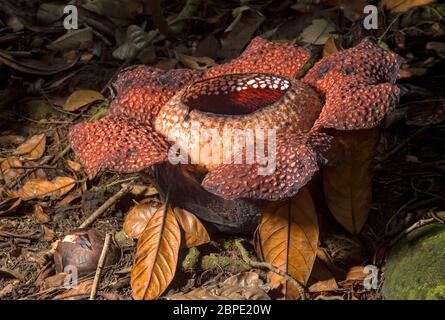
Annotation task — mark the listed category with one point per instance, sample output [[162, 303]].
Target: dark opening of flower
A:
[[235, 94]]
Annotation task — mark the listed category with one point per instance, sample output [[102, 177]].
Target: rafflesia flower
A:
[[159, 116]]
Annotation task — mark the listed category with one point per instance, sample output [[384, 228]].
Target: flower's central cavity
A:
[[235, 94]]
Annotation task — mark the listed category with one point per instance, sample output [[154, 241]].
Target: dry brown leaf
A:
[[318, 32], [81, 98], [138, 217], [39, 188], [288, 239], [355, 274], [33, 148], [7, 173], [195, 233], [75, 166], [48, 234], [347, 185], [330, 47], [69, 198], [321, 278], [197, 63], [9, 205], [403, 5], [142, 190], [156, 256], [76, 293], [41, 216], [56, 281]]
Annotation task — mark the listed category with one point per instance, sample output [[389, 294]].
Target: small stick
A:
[[100, 266], [268, 266], [99, 211]]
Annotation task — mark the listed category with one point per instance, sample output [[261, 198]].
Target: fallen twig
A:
[[268, 266], [100, 266], [107, 204]]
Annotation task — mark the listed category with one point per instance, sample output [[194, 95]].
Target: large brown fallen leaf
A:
[[138, 217], [156, 256], [194, 232], [243, 286], [403, 5], [81, 98], [32, 149], [347, 185], [287, 238], [40, 188]]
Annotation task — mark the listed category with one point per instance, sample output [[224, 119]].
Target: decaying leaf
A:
[[40, 188], [32, 149], [243, 286], [156, 256], [197, 63], [318, 32], [194, 232], [355, 274], [39, 67], [240, 31], [41, 216], [403, 5], [72, 39], [80, 98], [330, 47], [69, 198], [347, 185], [76, 293], [9, 205], [321, 278], [142, 190], [287, 238], [75, 166], [138, 217], [7, 170], [48, 234]]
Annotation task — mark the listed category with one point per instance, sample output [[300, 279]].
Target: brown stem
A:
[[107, 204]]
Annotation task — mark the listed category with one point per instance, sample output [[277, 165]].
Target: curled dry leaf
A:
[[318, 32], [41, 216], [75, 166], [355, 274], [38, 67], [197, 63], [321, 278], [330, 47], [138, 217], [194, 231], [40, 188], [403, 5], [48, 234], [32, 149], [347, 185], [7, 172], [287, 238], [80, 98], [142, 190], [156, 256]]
